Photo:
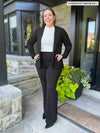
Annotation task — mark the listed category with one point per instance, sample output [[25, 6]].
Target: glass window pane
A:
[[90, 35], [13, 34], [28, 27], [6, 35]]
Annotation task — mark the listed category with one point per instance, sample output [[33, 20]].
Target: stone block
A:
[[7, 103], [1, 128], [5, 111], [10, 106], [1, 106], [9, 92], [11, 120], [17, 105]]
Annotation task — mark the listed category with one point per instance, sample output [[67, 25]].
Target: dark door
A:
[[89, 42], [98, 71], [97, 54]]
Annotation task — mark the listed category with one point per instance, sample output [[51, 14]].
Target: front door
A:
[[90, 53]]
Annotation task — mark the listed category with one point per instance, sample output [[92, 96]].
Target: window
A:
[[13, 34], [28, 19], [90, 36], [6, 35]]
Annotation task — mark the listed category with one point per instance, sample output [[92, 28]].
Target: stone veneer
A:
[[20, 65], [63, 16], [10, 106], [27, 83]]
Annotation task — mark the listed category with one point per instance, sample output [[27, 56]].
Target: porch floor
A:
[[32, 114]]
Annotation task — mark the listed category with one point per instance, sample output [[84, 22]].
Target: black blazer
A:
[[60, 36]]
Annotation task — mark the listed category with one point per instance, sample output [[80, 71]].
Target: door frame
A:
[[96, 49], [76, 34]]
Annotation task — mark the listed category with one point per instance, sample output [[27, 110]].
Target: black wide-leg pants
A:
[[48, 77]]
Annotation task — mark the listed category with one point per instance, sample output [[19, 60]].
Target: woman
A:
[[49, 61]]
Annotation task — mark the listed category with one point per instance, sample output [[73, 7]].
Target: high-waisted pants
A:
[[48, 77]]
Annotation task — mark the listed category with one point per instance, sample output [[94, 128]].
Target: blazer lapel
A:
[[40, 36], [56, 35]]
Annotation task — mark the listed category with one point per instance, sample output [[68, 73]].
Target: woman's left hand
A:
[[59, 57]]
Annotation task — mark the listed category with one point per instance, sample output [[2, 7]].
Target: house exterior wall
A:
[[63, 16]]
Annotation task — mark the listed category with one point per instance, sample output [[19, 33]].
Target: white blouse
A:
[[47, 40]]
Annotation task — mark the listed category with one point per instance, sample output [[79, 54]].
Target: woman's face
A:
[[49, 18]]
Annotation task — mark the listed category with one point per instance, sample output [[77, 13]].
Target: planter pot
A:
[[79, 91]]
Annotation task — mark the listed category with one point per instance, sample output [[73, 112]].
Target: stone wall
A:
[[10, 106], [20, 65], [63, 16], [27, 83]]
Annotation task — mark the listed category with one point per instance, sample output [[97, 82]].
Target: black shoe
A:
[[44, 116], [49, 125]]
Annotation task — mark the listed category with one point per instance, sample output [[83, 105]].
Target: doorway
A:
[[85, 37], [88, 39], [90, 51]]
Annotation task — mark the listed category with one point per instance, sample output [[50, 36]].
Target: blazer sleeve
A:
[[67, 43], [30, 44]]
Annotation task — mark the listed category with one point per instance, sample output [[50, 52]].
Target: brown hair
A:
[[43, 24]]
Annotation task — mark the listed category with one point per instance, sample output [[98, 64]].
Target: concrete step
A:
[[93, 93], [28, 83], [80, 117], [84, 111], [22, 77], [28, 86], [31, 91], [89, 101]]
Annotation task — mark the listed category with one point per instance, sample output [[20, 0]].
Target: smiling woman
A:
[[49, 61], [49, 15], [49, 18]]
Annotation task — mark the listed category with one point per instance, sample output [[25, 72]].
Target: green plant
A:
[[7, 64], [69, 81]]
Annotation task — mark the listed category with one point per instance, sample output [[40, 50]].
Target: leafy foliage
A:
[[7, 64], [69, 81]]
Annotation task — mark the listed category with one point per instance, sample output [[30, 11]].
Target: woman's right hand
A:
[[36, 57]]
